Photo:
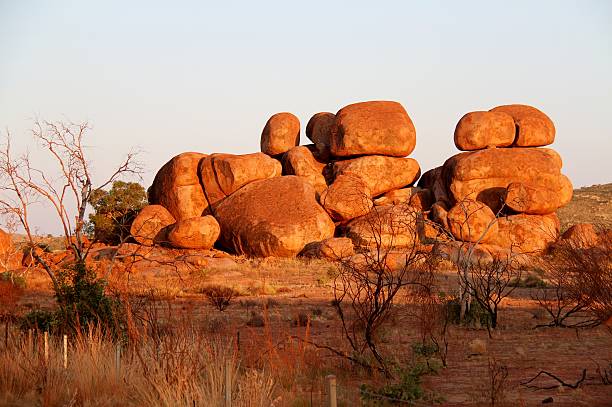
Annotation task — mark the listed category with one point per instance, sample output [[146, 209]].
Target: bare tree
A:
[[366, 287], [68, 192]]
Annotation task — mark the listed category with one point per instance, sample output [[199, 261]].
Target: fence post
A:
[[228, 383], [118, 360], [46, 346], [331, 390], [65, 351], [30, 343]]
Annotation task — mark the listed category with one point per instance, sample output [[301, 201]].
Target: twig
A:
[[561, 382]]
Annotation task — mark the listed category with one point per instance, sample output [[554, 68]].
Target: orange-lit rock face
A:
[[273, 217], [373, 128], [390, 226], [195, 233], [300, 161], [348, 197], [177, 187], [281, 133], [472, 221], [478, 130], [526, 233], [581, 235], [486, 174], [223, 174], [380, 173], [533, 127], [334, 248], [148, 226], [535, 199]]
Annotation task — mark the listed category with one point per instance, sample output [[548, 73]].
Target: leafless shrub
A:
[[580, 278], [366, 286], [219, 296], [490, 283], [497, 384]]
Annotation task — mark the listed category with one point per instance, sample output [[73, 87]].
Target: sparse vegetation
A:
[[219, 296]]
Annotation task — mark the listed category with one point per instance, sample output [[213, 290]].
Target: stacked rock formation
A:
[[353, 189], [288, 197], [504, 189]]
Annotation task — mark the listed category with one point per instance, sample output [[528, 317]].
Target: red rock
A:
[[281, 133], [524, 197], [389, 226], [534, 128], [195, 233], [224, 174], [300, 161], [348, 197], [472, 221], [381, 174], [378, 127], [148, 226], [478, 130], [581, 235], [334, 248], [485, 175], [318, 130], [273, 217], [526, 233], [177, 187], [396, 196]]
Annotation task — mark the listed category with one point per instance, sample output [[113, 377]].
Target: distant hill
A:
[[590, 204]]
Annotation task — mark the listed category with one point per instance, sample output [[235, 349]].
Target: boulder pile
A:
[[353, 187], [504, 189]]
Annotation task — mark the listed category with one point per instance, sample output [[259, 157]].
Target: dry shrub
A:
[[580, 278], [219, 296]]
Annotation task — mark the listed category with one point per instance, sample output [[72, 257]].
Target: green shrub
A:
[[43, 320], [476, 315], [407, 388]]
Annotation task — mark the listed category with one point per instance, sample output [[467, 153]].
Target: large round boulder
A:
[[485, 175], [149, 225], [380, 173], [348, 197], [177, 187], [273, 217], [378, 127], [224, 174], [523, 234], [195, 233], [525, 197], [301, 161], [533, 127], [478, 130], [472, 221], [386, 227], [281, 133]]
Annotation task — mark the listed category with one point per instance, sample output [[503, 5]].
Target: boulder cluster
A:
[[353, 187], [504, 189]]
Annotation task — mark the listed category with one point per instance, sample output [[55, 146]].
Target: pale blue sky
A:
[[205, 76]]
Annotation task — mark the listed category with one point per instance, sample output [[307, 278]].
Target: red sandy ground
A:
[[299, 287]]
